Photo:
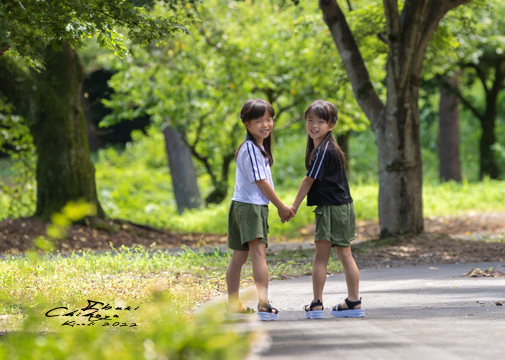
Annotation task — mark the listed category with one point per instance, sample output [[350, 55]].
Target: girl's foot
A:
[[314, 310], [348, 309], [239, 311], [237, 307], [343, 305], [267, 313]]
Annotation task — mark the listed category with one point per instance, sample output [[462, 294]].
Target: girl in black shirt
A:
[[326, 186]]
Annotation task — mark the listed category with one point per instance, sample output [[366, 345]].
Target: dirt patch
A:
[[428, 248], [463, 225], [17, 235]]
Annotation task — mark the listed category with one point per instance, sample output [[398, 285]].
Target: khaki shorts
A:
[[246, 222], [336, 224]]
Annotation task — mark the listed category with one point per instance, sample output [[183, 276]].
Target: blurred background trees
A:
[[182, 96]]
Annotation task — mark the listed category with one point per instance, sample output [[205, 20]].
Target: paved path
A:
[[414, 312]]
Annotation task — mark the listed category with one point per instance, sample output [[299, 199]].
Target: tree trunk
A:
[[396, 124], [64, 169], [448, 132], [94, 141], [187, 194], [488, 164], [400, 164]]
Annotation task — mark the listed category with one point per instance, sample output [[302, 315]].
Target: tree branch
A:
[[291, 122], [480, 74], [392, 19], [204, 160], [437, 11], [4, 49], [200, 127], [22, 7], [455, 90], [362, 87], [382, 37]]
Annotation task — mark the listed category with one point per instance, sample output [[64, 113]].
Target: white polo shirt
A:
[[251, 167]]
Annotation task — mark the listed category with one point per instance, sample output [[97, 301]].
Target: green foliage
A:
[[165, 286], [17, 197], [162, 334], [28, 26], [198, 83]]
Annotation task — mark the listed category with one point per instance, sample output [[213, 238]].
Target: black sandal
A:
[[269, 314], [339, 311], [314, 314]]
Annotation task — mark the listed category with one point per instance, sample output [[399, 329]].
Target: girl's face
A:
[[261, 127], [317, 127]]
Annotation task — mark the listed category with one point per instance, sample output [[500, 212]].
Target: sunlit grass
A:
[[439, 199], [130, 276]]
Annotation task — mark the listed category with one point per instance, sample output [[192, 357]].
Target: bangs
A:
[[320, 109], [256, 108]]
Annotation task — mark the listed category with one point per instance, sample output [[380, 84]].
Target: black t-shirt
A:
[[330, 186]]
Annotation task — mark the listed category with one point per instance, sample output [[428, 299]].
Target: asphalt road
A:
[[414, 312]]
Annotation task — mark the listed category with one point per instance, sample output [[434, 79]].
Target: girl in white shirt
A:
[[248, 215]]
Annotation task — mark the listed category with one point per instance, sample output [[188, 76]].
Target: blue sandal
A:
[[339, 312], [314, 314]]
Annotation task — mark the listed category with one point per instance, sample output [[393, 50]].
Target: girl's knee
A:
[[256, 247], [344, 252], [238, 258]]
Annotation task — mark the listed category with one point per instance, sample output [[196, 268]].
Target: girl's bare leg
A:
[[319, 269], [238, 258], [260, 270], [351, 274]]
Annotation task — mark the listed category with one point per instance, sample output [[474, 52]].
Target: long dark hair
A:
[[328, 112], [251, 110]]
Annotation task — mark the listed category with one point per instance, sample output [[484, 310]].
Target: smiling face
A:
[[261, 127], [317, 128]]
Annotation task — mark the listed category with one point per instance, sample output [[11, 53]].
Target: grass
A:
[[439, 199], [131, 275], [165, 287]]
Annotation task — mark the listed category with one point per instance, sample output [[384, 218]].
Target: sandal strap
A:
[[314, 304], [269, 307], [249, 310], [352, 304]]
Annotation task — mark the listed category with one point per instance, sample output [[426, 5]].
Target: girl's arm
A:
[[285, 212], [302, 192]]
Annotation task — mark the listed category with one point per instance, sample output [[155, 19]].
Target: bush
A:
[[161, 334]]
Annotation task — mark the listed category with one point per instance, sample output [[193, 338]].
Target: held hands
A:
[[285, 213]]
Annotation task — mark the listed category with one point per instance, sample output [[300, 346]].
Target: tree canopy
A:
[[198, 83], [27, 26]]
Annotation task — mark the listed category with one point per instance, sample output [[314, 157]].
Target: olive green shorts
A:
[[246, 222], [336, 224]]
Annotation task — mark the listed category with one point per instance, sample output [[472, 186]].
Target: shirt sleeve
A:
[[254, 163], [316, 171]]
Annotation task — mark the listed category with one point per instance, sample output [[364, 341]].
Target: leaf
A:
[[56, 44]]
